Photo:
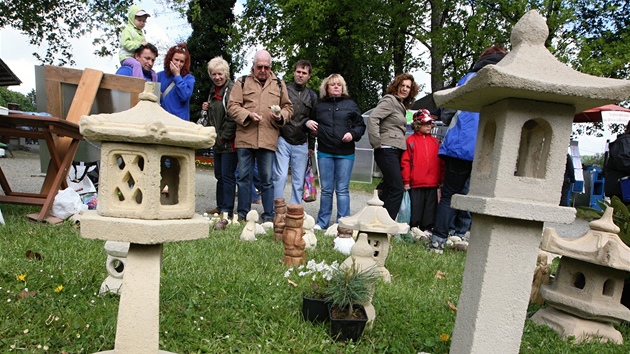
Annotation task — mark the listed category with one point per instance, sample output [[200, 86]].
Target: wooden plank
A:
[[54, 103], [84, 97]]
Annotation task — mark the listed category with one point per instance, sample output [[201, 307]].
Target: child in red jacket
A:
[[422, 171]]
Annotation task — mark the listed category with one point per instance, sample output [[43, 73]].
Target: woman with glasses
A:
[[176, 82], [338, 124], [387, 125]]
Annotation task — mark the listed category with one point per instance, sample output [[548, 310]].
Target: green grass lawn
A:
[[221, 295]]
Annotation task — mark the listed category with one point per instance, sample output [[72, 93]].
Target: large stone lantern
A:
[[374, 221], [526, 103], [146, 198]]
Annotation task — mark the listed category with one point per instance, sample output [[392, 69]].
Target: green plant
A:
[[352, 286], [313, 278]]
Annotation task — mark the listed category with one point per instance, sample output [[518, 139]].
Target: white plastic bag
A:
[[67, 203]]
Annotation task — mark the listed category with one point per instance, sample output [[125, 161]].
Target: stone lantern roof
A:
[[146, 123], [373, 218], [530, 71], [600, 245]]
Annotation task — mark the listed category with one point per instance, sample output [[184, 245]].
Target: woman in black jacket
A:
[[338, 124]]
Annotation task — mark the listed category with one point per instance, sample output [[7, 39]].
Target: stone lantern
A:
[[585, 298], [374, 221], [146, 198], [526, 102]]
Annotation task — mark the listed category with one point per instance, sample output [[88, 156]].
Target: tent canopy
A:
[[609, 113]]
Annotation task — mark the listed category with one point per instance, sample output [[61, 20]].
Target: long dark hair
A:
[[181, 49]]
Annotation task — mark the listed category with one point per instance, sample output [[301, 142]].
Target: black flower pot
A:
[[344, 329], [314, 310]]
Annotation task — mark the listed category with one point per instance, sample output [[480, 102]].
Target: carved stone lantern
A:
[[526, 102], [585, 297], [146, 198], [374, 221]]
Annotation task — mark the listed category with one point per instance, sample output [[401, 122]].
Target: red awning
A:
[[595, 114]]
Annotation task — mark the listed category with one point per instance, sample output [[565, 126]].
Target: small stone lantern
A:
[[146, 198], [377, 224], [585, 297]]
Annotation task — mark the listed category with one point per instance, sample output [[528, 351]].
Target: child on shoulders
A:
[[422, 171], [131, 38]]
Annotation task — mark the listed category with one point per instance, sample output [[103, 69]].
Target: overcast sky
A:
[[163, 27]]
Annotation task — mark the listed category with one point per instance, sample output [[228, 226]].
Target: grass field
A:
[[221, 295]]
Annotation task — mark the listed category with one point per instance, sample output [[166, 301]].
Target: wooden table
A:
[[48, 129]]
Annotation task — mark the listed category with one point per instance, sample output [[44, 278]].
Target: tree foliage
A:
[[27, 103], [212, 22], [56, 22]]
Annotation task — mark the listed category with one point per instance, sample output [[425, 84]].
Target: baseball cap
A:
[[142, 13], [423, 115]]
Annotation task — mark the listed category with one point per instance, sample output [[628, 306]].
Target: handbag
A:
[[310, 191], [79, 177], [404, 214]]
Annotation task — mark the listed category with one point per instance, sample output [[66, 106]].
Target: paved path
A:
[[24, 174]]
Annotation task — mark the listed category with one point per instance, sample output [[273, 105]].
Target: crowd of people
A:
[[267, 128]]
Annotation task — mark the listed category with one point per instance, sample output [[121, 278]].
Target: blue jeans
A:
[[224, 167], [246, 159], [463, 218], [297, 157], [255, 182], [456, 173], [335, 179], [388, 161]]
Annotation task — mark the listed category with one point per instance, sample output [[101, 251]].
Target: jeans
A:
[[336, 178], [463, 219], [224, 167], [456, 173], [297, 157], [255, 183], [246, 159], [388, 161]]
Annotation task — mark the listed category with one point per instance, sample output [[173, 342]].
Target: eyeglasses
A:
[[181, 49], [263, 67]]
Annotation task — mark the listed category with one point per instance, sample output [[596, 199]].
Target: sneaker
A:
[[436, 247], [213, 211], [317, 227]]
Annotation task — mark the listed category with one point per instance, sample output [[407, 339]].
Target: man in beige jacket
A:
[[257, 129]]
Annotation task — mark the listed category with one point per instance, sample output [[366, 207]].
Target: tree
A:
[[55, 22], [26, 103], [212, 23]]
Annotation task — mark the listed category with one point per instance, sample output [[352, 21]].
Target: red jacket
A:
[[421, 166]]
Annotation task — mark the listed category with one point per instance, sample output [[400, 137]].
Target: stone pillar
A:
[[527, 103]]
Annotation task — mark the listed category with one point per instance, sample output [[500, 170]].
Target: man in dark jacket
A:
[[618, 165], [295, 144]]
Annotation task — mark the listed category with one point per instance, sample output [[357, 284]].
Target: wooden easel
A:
[[63, 143]]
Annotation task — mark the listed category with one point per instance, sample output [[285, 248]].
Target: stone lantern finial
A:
[[148, 93]]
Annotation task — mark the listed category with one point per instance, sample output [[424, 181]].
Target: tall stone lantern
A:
[[146, 198], [527, 103], [374, 221]]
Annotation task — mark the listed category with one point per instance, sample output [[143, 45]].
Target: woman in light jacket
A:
[[338, 124], [387, 125]]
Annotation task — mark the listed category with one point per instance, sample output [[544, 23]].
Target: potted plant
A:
[[312, 279], [349, 289]]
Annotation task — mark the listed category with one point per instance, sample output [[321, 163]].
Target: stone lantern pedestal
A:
[[526, 102], [146, 198]]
